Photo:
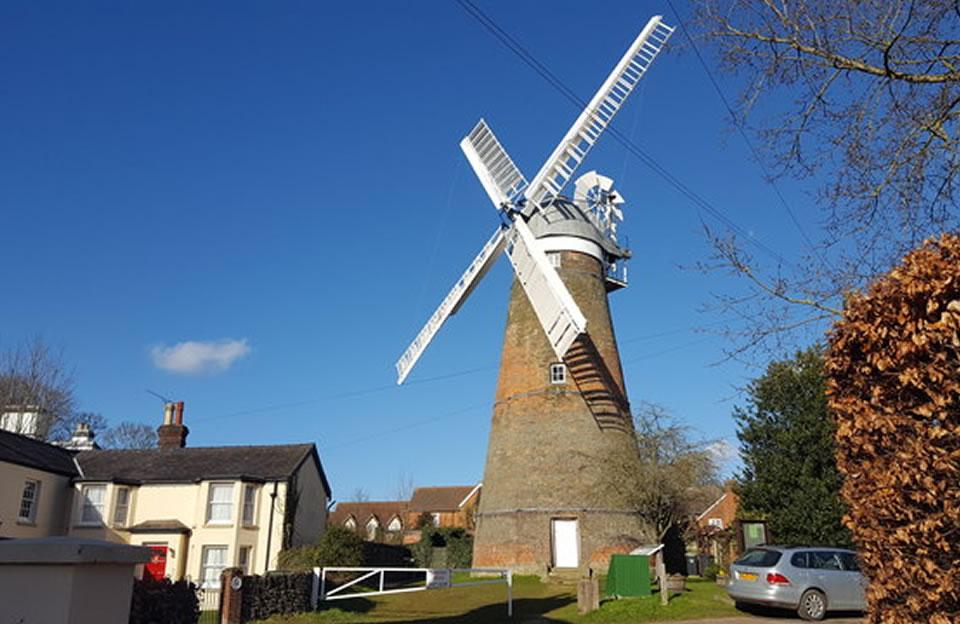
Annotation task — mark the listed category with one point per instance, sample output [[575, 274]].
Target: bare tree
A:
[[35, 377], [405, 485], [360, 495], [674, 469], [865, 96], [68, 424], [129, 435]]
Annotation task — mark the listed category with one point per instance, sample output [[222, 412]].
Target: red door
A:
[[158, 562]]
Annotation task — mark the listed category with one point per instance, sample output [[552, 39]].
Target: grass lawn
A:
[[533, 601], [209, 617]]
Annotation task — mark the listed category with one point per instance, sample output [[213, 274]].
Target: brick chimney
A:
[[172, 433]]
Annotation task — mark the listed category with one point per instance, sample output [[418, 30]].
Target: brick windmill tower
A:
[[561, 438]]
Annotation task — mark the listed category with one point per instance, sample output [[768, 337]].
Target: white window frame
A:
[[118, 506], [31, 501], [244, 562], [371, 528], [350, 523], [558, 373], [95, 508], [395, 522], [715, 522], [554, 258], [206, 566], [250, 492], [215, 515], [436, 518]]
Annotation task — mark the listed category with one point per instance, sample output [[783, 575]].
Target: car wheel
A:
[[813, 605]]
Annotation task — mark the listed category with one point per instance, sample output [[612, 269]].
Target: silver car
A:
[[810, 579]]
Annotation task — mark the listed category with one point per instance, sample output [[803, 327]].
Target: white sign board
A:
[[438, 578]]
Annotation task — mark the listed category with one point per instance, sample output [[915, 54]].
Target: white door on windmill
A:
[[565, 544]]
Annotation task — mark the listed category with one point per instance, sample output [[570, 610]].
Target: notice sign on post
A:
[[438, 578]]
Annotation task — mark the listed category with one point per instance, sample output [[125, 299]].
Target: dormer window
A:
[[558, 373], [351, 524], [395, 525], [372, 526]]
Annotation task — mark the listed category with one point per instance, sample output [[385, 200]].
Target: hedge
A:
[[456, 542], [894, 388], [164, 602], [275, 594]]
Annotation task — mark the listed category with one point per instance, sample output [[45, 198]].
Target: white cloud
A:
[[723, 451], [212, 356]]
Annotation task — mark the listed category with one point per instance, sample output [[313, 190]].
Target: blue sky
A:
[[280, 186]]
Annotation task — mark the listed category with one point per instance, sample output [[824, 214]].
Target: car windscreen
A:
[[759, 558]]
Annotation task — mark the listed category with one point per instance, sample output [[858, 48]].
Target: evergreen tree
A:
[[790, 474]]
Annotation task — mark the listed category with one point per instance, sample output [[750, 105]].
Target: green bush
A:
[[711, 571], [458, 545], [162, 601], [424, 520], [337, 547], [460, 552]]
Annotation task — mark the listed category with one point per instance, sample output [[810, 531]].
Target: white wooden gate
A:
[[434, 578]]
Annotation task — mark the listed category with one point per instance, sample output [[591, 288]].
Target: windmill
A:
[[561, 417]]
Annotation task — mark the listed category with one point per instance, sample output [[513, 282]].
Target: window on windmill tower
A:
[[558, 373], [554, 258]]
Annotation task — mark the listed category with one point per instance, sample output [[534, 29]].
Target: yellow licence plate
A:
[[747, 576]]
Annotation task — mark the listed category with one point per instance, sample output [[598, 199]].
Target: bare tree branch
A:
[[871, 113]]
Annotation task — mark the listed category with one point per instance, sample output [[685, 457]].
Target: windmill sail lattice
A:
[[559, 168], [451, 303], [500, 178]]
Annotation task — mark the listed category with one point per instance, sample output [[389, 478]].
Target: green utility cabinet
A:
[[629, 576]]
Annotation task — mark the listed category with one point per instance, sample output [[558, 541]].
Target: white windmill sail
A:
[[452, 302], [573, 148], [507, 188], [501, 179], [558, 313]]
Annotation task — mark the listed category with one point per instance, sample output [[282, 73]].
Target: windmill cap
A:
[[564, 218]]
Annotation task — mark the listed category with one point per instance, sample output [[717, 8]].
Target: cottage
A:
[[199, 510]]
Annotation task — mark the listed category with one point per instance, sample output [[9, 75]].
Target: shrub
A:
[[164, 602], [458, 545], [711, 571], [894, 390], [424, 520], [338, 547]]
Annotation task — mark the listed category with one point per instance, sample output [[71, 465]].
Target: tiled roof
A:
[[24, 451], [192, 464], [439, 498], [383, 510]]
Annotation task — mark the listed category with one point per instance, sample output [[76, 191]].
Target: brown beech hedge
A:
[[893, 371]]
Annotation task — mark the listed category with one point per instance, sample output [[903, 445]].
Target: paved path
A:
[[757, 619]]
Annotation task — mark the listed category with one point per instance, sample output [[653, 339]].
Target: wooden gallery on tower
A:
[[561, 437]]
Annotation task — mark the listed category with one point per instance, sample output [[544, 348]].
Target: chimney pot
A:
[[179, 412], [168, 414]]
